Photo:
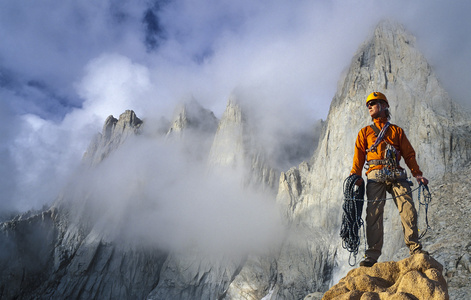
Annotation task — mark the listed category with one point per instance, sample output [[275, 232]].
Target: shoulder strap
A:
[[379, 137], [375, 129]]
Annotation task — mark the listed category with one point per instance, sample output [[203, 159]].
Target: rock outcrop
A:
[[416, 277]]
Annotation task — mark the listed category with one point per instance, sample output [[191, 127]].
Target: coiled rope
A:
[[351, 217]]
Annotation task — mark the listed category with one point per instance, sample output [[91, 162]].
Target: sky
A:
[[67, 65]]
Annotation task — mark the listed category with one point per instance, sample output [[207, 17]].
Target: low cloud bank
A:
[[148, 193]]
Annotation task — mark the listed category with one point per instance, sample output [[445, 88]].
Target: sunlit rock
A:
[[416, 277]]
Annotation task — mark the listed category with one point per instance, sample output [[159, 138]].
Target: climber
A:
[[382, 145]]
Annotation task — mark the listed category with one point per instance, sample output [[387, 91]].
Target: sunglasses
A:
[[371, 103]]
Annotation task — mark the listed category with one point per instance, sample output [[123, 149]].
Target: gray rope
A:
[[427, 199], [351, 217]]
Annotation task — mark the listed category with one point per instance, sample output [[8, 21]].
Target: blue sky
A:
[[66, 65]]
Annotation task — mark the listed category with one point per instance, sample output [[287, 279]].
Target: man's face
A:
[[374, 108]]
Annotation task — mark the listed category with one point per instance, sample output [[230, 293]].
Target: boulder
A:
[[417, 277]]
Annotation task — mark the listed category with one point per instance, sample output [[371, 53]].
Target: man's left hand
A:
[[421, 179]]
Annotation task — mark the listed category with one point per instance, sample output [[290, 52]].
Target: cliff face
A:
[[76, 257], [437, 128]]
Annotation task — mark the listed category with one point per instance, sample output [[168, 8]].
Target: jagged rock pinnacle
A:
[[191, 115], [236, 147], [228, 145], [114, 133]]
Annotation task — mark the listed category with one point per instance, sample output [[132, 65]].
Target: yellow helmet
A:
[[377, 96]]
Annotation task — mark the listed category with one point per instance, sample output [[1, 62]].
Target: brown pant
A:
[[374, 214]]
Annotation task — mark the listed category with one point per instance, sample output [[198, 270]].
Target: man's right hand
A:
[[359, 181]]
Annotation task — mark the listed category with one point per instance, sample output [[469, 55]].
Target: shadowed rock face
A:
[[47, 256], [416, 277]]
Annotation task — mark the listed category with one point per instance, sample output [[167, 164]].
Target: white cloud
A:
[[113, 83]]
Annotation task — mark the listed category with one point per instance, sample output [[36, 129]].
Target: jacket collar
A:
[[379, 122]]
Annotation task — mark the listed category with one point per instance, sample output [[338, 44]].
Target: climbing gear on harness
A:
[[351, 217], [377, 96], [391, 170], [423, 189], [376, 162], [388, 174]]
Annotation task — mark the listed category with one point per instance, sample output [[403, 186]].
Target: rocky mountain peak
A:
[[191, 115], [228, 145], [233, 112], [114, 133], [235, 146], [389, 62]]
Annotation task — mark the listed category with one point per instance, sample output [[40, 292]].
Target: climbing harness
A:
[[351, 218], [391, 170], [386, 199]]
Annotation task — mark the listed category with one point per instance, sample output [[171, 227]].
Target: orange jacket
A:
[[395, 136]]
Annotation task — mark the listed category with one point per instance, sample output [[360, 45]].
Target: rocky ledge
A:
[[417, 277]]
